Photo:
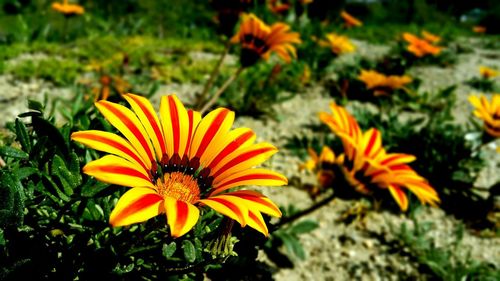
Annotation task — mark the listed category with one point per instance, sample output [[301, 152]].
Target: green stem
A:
[[213, 75], [221, 90]]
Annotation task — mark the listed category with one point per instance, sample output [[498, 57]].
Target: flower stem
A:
[[302, 213], [214, 74], [221, 90]]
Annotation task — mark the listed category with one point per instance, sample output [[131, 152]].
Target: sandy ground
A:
[[364, 249]]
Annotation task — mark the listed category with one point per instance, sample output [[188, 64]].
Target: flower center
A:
[[179, 186], [181, 178]]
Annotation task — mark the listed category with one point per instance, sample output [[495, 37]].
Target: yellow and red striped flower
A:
[[68, 9], [489, 112], [420, 47], [369, 168], [179, 162], [349, 20], [258, 40]]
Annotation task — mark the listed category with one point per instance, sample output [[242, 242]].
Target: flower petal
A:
[[116, 170], [210, 133], [129, 125], [230, 206], [250, 177], [240, 137], [147, 115], [399, 196], [110, 143], [256, 221], [243, 159], [257, 202], [176, 125], [181, 216], [136, 205]]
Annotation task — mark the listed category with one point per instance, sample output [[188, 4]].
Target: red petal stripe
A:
[[116, 145], [141, 203], [190, 132], [371, 142], [231, 147], [175, 123], [153, 123], [131, 126], [122, 170], [182, 214], [230, 205], [250, 177], [241, 158], [212, 130], [390, 159]]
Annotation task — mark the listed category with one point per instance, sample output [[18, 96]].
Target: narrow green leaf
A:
[[168, 250], [10, 152], [25, 172], [189, 250], [22, 135]]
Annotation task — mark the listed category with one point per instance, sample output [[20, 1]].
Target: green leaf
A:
[[303, 227], [168, 250], [22, 135], [10, 152], [189, 251], [91, 188], [25, 172], [13, 197], [70, 180], [35, 105], [43, 128]]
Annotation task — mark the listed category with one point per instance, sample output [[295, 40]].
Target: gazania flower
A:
[[431, 38], [479, 29], [489, 112], [382, 83], [367, 166], [350, 21], [68, 9], [259, 40], [338, 44], [487, 72], [420, 47], [178, 162]]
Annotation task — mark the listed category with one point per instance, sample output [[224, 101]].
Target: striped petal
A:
[[243, 159], [110, 143], [240, 137], [129, 125], [116, 170], [257, 202], [399, 196], [136, 205], [250, 177], [210, 133], [181, 216], [230, 206], [256, 221], [147, 115], [176, 124]]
